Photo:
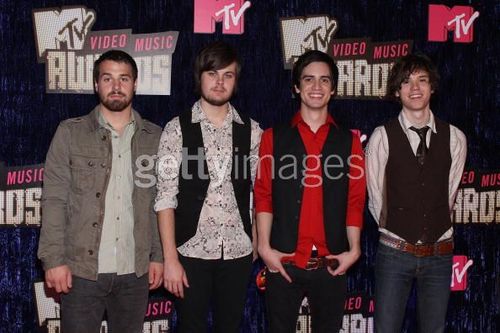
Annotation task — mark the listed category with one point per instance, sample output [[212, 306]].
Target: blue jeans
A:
[[124, 298], [394, 274]]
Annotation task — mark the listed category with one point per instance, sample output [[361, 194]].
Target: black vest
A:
[[194, 181], [288, 189], [417, 196]]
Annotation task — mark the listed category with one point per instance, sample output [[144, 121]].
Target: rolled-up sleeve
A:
[[168, 166]]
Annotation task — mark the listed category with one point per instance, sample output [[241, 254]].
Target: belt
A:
[[315, 263], [418, 250]]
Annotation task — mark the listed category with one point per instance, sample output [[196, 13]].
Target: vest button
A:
[[90, 252], [91, 163], [95, 224], [98, 194], [103, 138]]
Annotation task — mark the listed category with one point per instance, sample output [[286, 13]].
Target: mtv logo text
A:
[[459, 272], [68, 47], [301, 34], [459, 19], [230, 12]]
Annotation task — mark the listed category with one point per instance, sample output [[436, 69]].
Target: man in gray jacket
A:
[[99, 241]]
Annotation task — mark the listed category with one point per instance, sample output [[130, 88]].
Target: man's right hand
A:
[[272, 259], [59, 278], [175, 278]]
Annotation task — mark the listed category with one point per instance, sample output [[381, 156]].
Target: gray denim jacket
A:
[[76, 176]]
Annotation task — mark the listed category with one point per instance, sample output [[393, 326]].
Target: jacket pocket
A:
[[83, 171]]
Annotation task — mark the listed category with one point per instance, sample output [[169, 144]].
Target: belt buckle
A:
[[423, 250], [312, 264]]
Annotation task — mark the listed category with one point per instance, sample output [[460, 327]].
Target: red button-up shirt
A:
[[311, 228]]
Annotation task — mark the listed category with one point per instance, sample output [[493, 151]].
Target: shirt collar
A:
[[199, 116], [105, 124], [406, 124], [297, 118]]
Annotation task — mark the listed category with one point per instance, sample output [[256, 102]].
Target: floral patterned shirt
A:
[[220, 232]]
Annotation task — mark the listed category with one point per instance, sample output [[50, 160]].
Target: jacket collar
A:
[[141, 125]]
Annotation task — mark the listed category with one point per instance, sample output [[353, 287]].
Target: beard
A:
[[215, 101], [116, 105]]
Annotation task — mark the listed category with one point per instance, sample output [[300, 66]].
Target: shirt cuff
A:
[[263, 207], [165, 203], [355, 220]]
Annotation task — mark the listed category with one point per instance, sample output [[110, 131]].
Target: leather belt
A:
[[315, 263], [418, 250]]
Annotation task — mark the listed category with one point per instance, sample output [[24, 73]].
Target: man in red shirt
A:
[[310, 196]]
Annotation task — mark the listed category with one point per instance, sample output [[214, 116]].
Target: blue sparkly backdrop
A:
[[469, 97]]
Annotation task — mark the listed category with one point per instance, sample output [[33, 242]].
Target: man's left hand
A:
[[155, 275], [346, 260]]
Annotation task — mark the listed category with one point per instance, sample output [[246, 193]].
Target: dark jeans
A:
[[123, 297], [222, 283], [394, 274], [326, 295]]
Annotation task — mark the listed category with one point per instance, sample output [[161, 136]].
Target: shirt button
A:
[[120, 156], [118, 218], [90, 252]]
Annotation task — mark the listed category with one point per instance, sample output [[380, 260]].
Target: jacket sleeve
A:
[[56, 187], [156, 248]]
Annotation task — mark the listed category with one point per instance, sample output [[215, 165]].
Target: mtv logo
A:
[[67, 30], [229, 12], [459, 19], [300, 34], [459, 273]]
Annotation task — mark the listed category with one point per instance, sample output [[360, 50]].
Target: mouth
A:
[[116, 95], [316, 95], [415, 96]]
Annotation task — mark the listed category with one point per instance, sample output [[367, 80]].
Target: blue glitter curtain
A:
[[469, 97]]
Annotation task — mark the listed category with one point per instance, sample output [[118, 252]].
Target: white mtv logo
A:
[[299, 35], [64, 29]]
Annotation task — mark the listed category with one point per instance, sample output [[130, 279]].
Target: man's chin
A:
[[115, 106], [216, 102]]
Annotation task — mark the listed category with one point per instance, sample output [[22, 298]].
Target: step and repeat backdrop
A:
[[47, 50]]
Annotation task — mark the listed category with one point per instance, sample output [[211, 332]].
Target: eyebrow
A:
[[120, 75], [321, 77]]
